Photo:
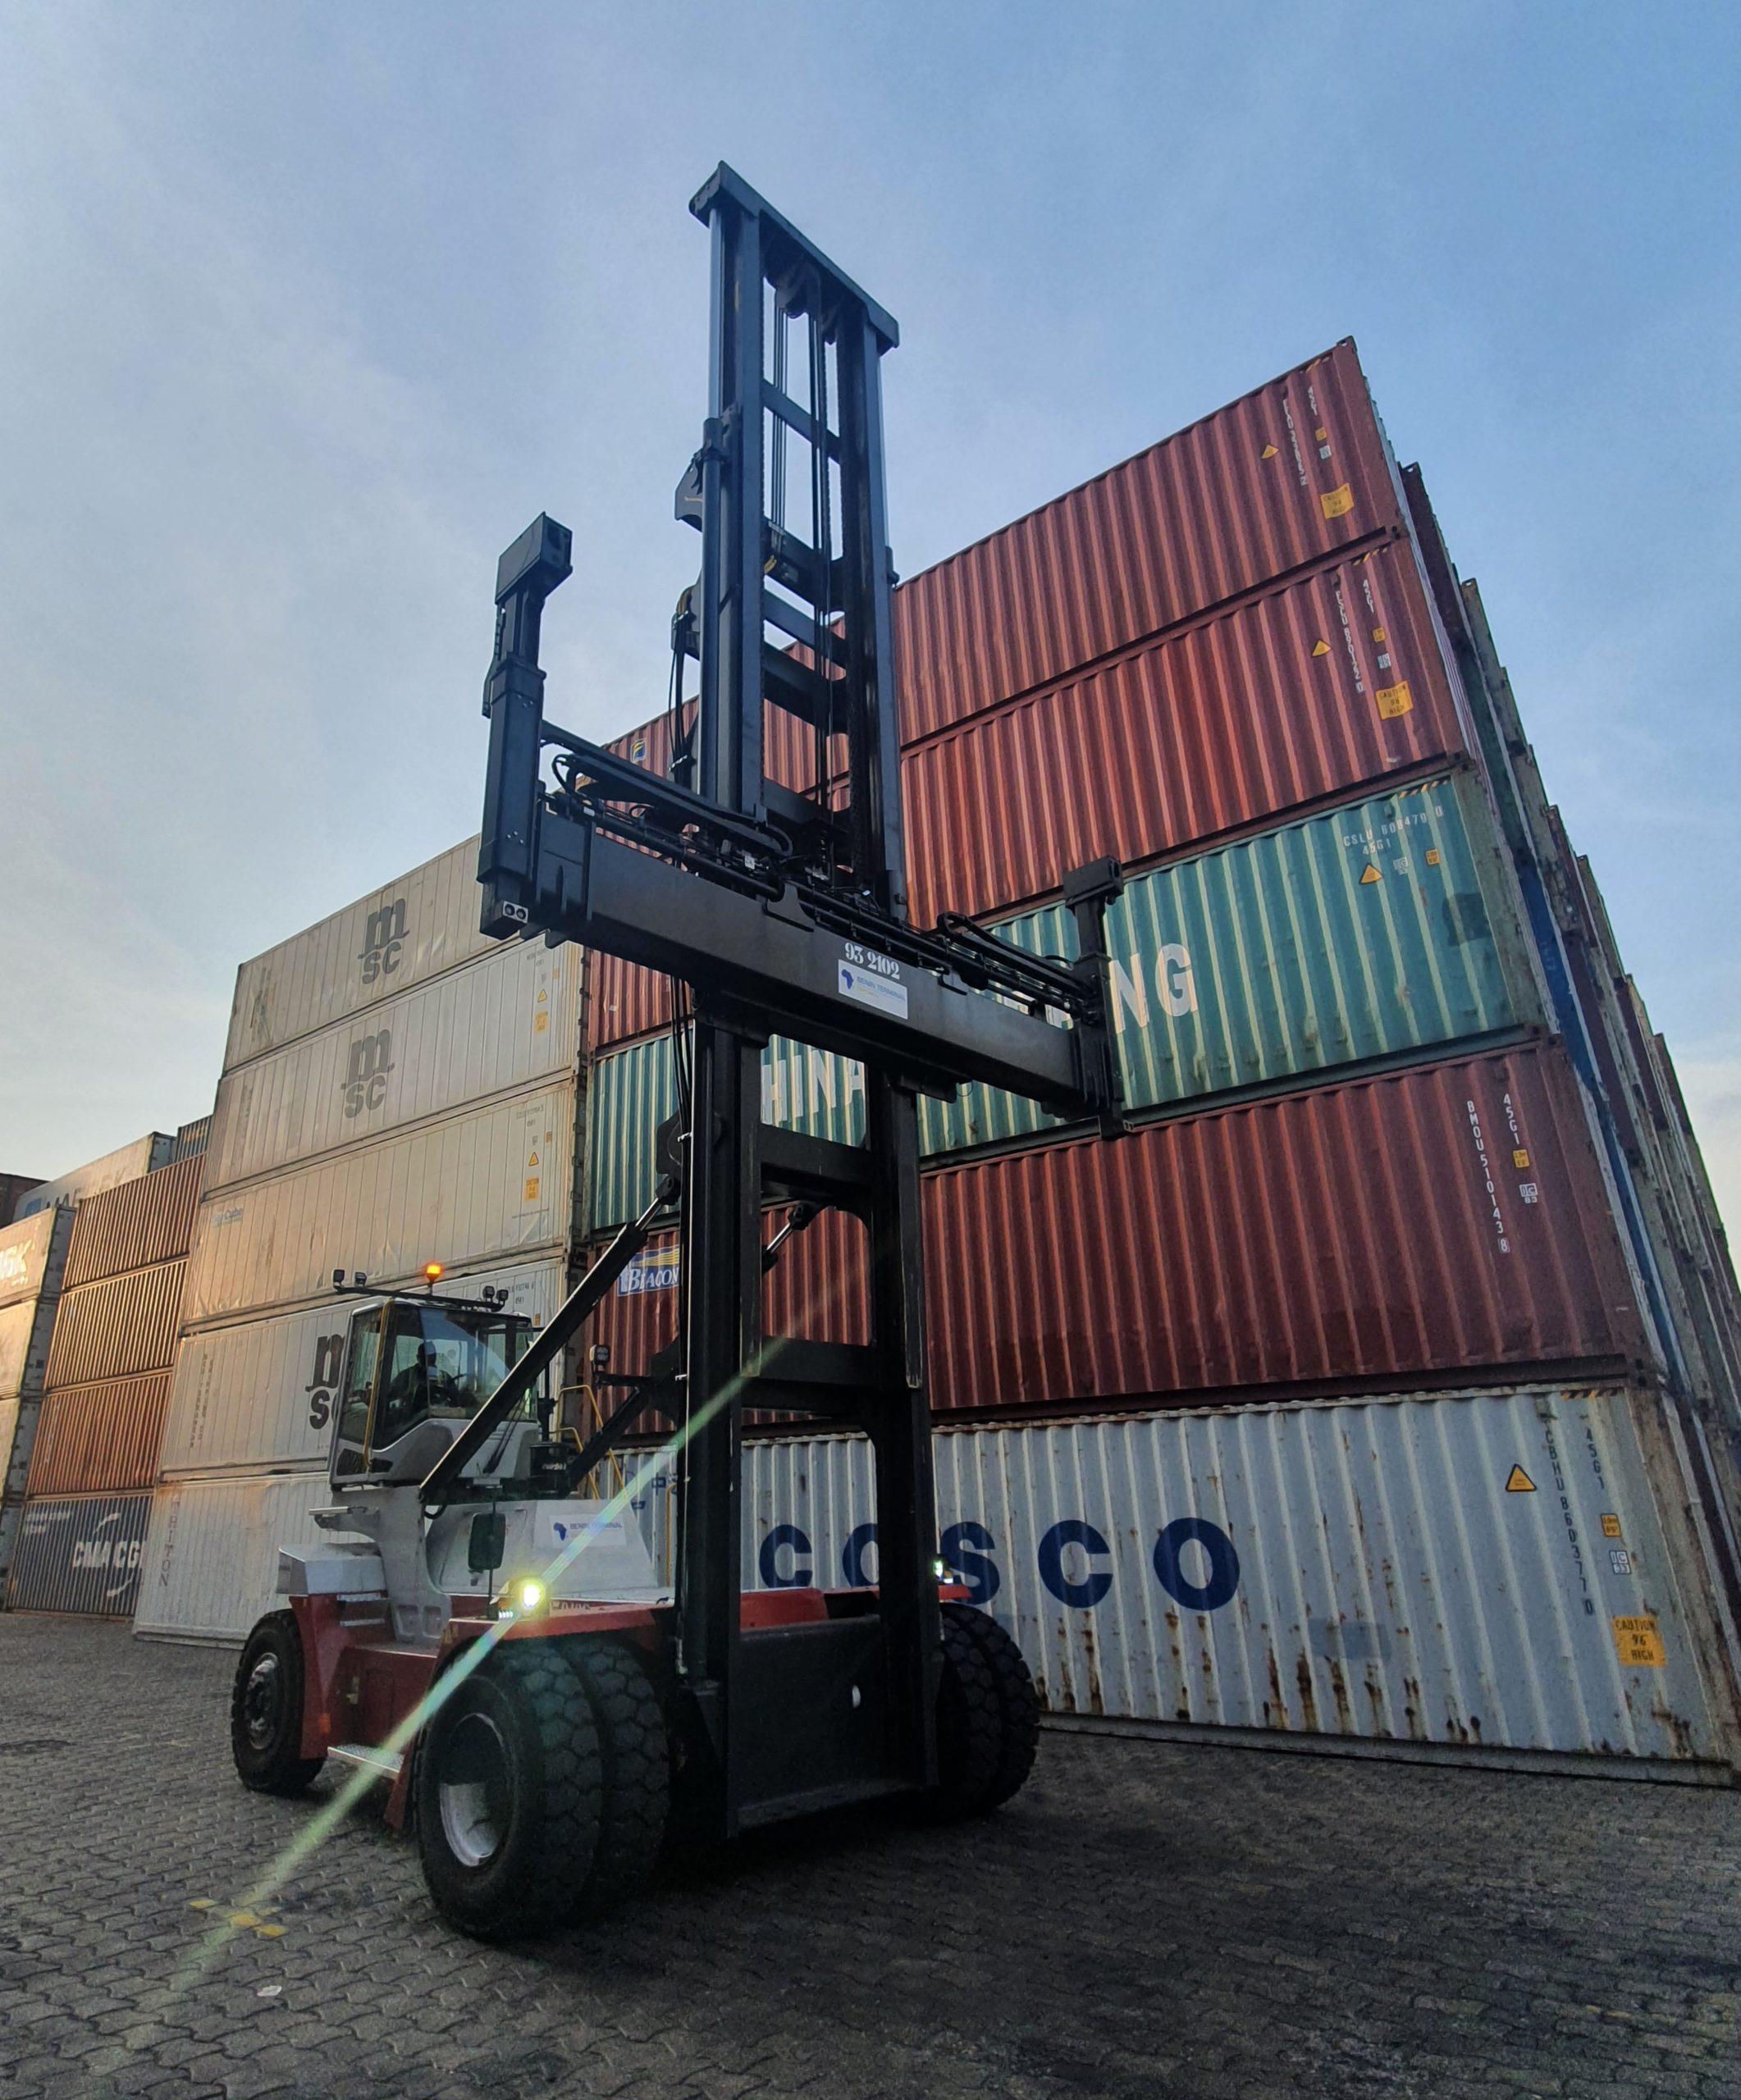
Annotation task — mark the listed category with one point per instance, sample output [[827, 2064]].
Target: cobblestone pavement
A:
[[1145, 1919]]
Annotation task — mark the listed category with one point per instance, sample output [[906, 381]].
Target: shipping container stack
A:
[[397, 1091], [1381, 1383], [33, 1262], [91, 1457], [125, 1163]]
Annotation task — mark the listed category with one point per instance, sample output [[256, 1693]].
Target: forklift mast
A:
[[783, 907]]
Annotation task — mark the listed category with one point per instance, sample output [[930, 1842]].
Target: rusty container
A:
[[101, 1439]]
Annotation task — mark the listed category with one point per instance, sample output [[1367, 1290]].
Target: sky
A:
[[308, 309]]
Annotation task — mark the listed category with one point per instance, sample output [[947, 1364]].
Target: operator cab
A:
[[416, 1369]]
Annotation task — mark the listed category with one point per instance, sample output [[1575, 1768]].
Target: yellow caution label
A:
[[540, 1024], [1434, 857], [1610, 1524], [1267, 453], [1336, 503], [1369, 873], [1379, 635], [1321, 434], [532, 1160], [1394, 699], [532, 1189], [1518, 1483], [1637, 1643], [1320, 648], [1519, 1157]]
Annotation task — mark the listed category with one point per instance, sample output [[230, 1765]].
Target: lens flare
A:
[[321, 1826]]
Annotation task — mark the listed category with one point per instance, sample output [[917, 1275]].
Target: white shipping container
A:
[[502, 1023], [26, 1253], [490, 1183], [262, 1394], [1515, 1572], [211, 1559], [125, 1164], [415, 928], [17, 1327]]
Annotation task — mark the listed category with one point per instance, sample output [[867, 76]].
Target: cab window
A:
[[359, 1379], [437, 1366]]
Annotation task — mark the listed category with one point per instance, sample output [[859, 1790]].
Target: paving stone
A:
[[1145, 1922]]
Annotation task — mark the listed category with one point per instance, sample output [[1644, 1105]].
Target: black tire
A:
[[265, 1709], [988, 1717], [508, 1785], [634, 1741]]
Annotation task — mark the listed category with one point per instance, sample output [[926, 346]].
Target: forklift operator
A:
[[411, 1392]]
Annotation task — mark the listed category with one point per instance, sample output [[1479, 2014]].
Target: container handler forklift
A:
[[493, 1642]]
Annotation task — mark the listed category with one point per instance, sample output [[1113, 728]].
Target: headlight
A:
[[524, 1598]]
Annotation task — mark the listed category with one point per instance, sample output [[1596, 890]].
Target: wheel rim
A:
[[474, 1790], [262, 1702]]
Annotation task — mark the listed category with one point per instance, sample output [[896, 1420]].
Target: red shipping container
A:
[[1330, 682], [1447, 1223], [96, 1438], [1126, 691], [1292, 473]]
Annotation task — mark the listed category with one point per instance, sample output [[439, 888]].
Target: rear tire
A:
[[265, 1709], [508, 1785], [636, 1757], [988, 1717]]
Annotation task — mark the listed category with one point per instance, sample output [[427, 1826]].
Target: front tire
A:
[[636, 1759], [509, 1785], [265, 1709], [988, 1717]]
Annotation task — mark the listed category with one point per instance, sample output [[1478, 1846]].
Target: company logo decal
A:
[[383, 941], [329, 1365], [364, 1085], [651, 1272]]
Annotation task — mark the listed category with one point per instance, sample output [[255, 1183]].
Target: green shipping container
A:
[[631, 1092], [1375, 931]]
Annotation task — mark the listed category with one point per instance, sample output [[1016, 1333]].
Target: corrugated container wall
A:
[[111, 1329], [135, 1225], [505, 1022], [102, 1438], [80, 1554], [1375, 933], [1358, 1570], [33, 1259], [126, 1163], [412, 928], [1309, 691], [484, 1183], [1432, 1225], [1290, 473], [210, 1560]]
